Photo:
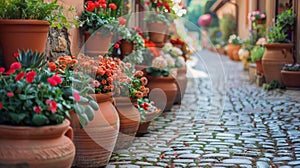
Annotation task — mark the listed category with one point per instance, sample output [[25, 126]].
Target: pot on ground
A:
[[290, 79]]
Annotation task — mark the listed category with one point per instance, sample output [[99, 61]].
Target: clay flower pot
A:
[[259, 68], [168, 86], [21, 34], [129, 121], [143, 127], [291, 78], [97, 43], [181, 82], [274, 58], [126, 48], [45, 146], [157, 31], [232, 51], [96, 141]]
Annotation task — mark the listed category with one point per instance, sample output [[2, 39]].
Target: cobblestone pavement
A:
[[255, 129]]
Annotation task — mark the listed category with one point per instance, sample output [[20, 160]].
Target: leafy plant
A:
[[234, 39], [257, 53], [145, 106], [38, 10], [274, 84], [278, 35], [291, 67], [286, 19], [30, 59], [227, 26]]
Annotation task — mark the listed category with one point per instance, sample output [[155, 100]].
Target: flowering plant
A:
[[145, 106], [138, 84], [291, 67], [163, 65], [38, 10], [256, 15], [100, 14], [160, 11], [234, 39], [176, 53], [31, 97]]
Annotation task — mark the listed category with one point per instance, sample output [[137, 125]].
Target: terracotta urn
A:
[[168, 86], [274, 58], [157, 31], [96, 141], [129, 121], [97, 43], [45, 146], [259, 68], [21, 34]]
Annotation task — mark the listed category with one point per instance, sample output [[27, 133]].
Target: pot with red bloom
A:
[[32, 97]]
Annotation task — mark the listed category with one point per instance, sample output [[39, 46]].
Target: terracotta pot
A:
[[96, 141], [232, 51], [157, 31], [259, 68], [291, 78], [143, 127], [129, 121], [260, 21], [168, 86], [274, 58], [181, 83], [45, 146], [21, 34], [126, 48], [97, 44]]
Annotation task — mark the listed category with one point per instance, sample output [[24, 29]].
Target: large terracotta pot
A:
[[126, 48], [45, 146], [96, 141], [168, 86], [129, 121], [97, 43], [157, 31], [143, 127], [21, 34], [291, 78], [274, 58], [259, 67], [232, 51], [181, 83]]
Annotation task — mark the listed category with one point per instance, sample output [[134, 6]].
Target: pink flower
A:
[[52, 81], [122, 21], [37, 109], [52, 105], [9, 72], [252, 18], [57, 79], [20, 76], [103, 6], [16, 54], [30, 76], [16, 66], [262, 16], [10, 94], [76, 96], [95, 84], [2, 69]]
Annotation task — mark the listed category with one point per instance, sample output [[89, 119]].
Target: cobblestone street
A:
[[252, 128]]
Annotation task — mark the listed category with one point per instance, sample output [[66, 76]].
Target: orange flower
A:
[[52, 66], [139, 94]]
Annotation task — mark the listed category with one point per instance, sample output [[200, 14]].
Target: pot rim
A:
[[24, 21], [290, 72]]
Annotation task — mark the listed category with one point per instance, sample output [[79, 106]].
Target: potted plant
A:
[[290, 75], [234, 44], [33, 115], [256, 55], [99, 20], [25, 25], [158, 20], [162, 75], [148, 112], [278, 49], [257, 17]]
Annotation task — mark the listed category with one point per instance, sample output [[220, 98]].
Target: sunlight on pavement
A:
[[192, 72]]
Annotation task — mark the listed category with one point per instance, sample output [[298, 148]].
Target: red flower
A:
[[30, 76], [16, 54], [103, 81], [1, 105], [76, 96], [112, 6], [20, 76], [16, 66], [147, 3], [10, 94], [122, 21], [52, 81], [2, 69], [37, 109], [90, 6], [11, 71], [52, 105], [117, 45], [103, 6], [97, 4], [102, 1], [57, 79], [52, 66]]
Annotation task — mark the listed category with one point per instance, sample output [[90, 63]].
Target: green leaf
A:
[[89, 112], [83, 119], [40, 119], [83, 99], [17, 117], [94, 105]]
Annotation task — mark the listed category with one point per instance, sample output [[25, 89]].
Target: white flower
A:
[[169, 59], [181, 60], [168, 47], [159, 63], [176, 51]]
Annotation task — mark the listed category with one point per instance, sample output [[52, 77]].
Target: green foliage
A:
[[291, 67], [38, 10], [278, 35], [214, 17], [257, 53], [31, 59], [227, 26], [157, 72], [274, 84]]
